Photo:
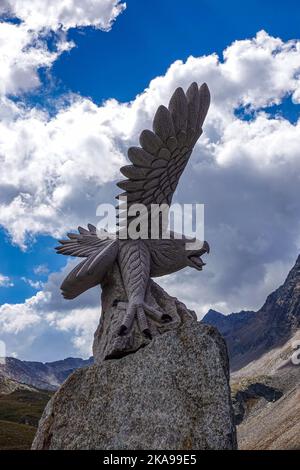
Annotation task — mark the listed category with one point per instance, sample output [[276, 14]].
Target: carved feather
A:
[[163, 124], [100, 254], [178, 108], [84, 243], [140, 157], [90, 272], [158, 164], [150, 142]]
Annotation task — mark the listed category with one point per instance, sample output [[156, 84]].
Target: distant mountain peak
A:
[[251, 334], [48, 375], [211, 314]]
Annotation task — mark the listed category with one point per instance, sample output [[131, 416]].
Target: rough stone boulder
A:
[[171, 394]]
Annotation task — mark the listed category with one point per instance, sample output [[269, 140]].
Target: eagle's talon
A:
[[140, 311], [147, 333], [166, 318], [122, 330]]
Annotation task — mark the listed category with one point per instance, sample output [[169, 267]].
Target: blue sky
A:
[[143, 42], [149, 36]]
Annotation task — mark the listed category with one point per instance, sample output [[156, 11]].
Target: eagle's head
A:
[[193, 257], [177, 252]]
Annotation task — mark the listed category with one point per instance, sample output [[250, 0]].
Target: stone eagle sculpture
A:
[[151, 179]]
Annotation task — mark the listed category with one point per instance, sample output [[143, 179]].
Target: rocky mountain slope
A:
[[249, 335], [265, 382], [25, 389], [46, 376], [8, 386], [270, 421]]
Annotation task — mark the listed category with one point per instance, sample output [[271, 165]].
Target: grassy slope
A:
[[20, 412], [15, 436]]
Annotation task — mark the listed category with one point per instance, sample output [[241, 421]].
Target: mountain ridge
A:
[[251, 334], [42, 375]]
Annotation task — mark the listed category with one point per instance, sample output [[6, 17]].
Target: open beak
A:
[[195, 260]]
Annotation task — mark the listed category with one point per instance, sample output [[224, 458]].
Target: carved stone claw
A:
[[140, 312], [166, 318], [122, 330], [147, 334]]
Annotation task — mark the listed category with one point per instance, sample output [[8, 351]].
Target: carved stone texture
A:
[[152, 179], [108, 343], [172, 395]]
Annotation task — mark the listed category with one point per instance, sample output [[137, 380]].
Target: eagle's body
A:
[[152, 179]]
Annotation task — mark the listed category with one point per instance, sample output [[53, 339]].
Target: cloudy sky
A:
[[79, 79]]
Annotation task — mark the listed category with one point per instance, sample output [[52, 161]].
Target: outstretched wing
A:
[[100, 253], [158, 164]]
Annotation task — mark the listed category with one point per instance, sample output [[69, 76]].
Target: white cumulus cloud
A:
[[52, 14], [54, 166], [5, 281], [244, 168], [80, 324], [41, 269], [15, 318], [23, 46], [23, 51], [46, 315]]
